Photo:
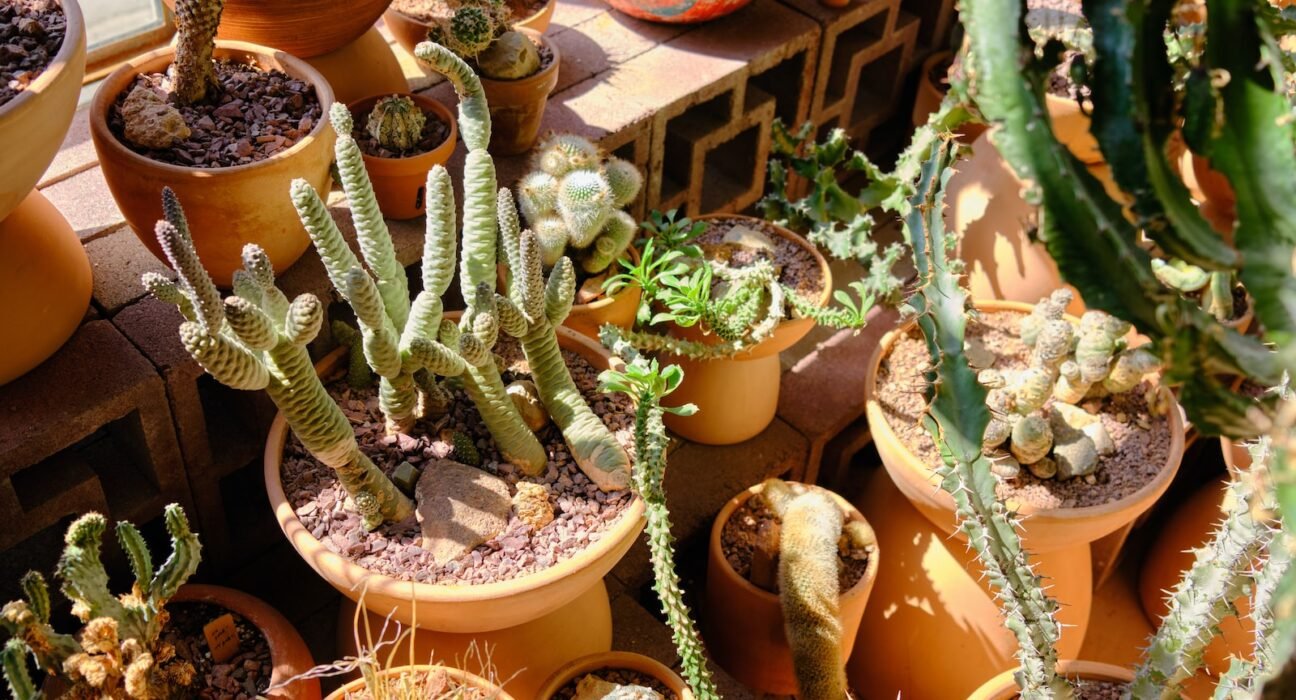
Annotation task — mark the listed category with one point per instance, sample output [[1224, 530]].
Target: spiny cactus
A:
[[193, 72], [257, 340], [118, 653], [645, 382], [480, 31], [573, 197], [396, 121]]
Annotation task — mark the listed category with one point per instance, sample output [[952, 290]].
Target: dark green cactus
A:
[[193, 73]]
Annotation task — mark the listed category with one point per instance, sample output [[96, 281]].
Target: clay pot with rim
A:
[[400, 184], [1004, 686], [226, 207], [34, 122], [410, 31], [670, 12], [1042, 529], [611, 661], [517, 106], [737, 396], [45, 284], [743, 624], [617, 309], [357, 686], [537, 607]]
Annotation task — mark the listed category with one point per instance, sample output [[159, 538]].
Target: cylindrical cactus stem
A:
[[1050, 308], [186, 552], [1053, 344], [474, 115], [193, 72], [1032, 388], [137, 553], [1218, 297], [1180, 276], [1129, 369], [617, 235], [1071, 386], [13, 660]]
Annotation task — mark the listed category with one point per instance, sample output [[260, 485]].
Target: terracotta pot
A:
[[1004, 687], [288, 652], [1071, 127], [366, 66], [44, 285], [33, 124], [674, 12], [931, 93], [400, 184], [1214, 186], [744, 624], [614, 660], [932, 601], [1236, 456], [517, 106], [618, 309], [303, 28], [738, 396], [455, 608], [226, 207], [409, 32], [1190, 527], [1043, 530], [357, 686]]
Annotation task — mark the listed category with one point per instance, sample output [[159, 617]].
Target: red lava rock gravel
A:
[[243, 677], [31, 33]]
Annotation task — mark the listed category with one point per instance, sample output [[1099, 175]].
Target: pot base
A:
[[736, 399], [363, 68]]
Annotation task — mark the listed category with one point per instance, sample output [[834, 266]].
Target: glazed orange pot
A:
[[229, 207], [409, 32], [617, 309], [743, 624], [366, 66], [517, 106], [614, 660], [932, 601], [33, 123], [400, 184], [1004, 687], [1043, 530], [288, 652], [303, 28], [356, 688], [737, 396], [44, 285]]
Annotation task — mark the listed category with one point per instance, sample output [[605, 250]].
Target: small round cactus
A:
[[585, 203], [396, 122], [1031, 439], [471, 30], [624, 179], [559, 154]]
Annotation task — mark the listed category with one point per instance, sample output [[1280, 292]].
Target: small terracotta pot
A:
[[357, 686], [366, 66], [618, 309], [226, 207], [517, 106], [610, 661], [1004, 687], [303, 28], [410, 32], [33, 124], [1042, 529], [738, 396], [288, 652], [1071, 127], [744, 624], [400, 184], [671, 12], [44, 285]]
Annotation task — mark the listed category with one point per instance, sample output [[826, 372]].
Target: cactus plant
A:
[[193, 72], [481, 31], [396, 122], [118, 653]]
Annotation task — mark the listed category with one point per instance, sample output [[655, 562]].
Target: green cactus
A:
[[13, 661], [1050, 308], [471, 27], [194, 73], [1180, 275], [258, 341], [359, 376], [1032, 439], [396, 121]]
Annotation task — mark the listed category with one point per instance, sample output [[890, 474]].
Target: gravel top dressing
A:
[[796, 266], [243, 677], [741, 533], [31, 34]]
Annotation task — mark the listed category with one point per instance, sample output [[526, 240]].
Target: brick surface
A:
[[85, 201], [117, 261], [570, 13], [637, 630], [77, 152], [937, 18]]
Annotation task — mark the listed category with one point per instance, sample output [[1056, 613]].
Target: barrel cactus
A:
[[396, 122], [481, 31]]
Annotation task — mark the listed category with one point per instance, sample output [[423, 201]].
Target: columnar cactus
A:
[[573, 198], [193, 72], [118, 653], [396, 122], [257, 340]]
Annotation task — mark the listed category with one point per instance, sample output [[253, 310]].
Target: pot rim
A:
[[539, 76], [826, 295], [460, 675], [862, 587], [1002, 685], [74, 42], [116, 83], [426, 104], [318, 556], [881, 429], [547, 7], [614, 660]]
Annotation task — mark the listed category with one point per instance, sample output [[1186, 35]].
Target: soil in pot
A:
[[433, 683], [244, 676], [1086, 689], [31, 33], [582, 513], [746, 530], [617, 676], [435, 131], [1142, 440], [743, 242], [255, 114]]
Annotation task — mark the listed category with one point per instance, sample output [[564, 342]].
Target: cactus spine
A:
[[396, 122], [193, 72]]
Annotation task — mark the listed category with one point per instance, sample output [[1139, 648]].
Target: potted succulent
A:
[[607, 674], [227, 126], [151, 642], [517, 66], [412, 21], [573, 199], [1089, 678], [401, 137], [372, 497]]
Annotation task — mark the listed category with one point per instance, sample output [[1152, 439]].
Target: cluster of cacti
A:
[[193, 72], [1215, 288], [118, 653], [396, 122], [480, 31], [573, 198]]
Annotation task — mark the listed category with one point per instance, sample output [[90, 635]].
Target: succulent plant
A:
[[396, 121], [481, 31], [193, 72]]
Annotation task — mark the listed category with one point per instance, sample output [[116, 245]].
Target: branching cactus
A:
[[193, 72], [118, 653], [573, 198], [396, 122], [257, 340]]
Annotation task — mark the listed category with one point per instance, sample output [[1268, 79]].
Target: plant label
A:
[[222, 638]]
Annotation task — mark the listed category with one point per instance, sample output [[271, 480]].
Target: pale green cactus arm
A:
[[186, 552], [618, 233], [474, 116], [439, 243], [13, 659], [1244, 676], [195, 283], [85, 582], [137, 553], [166, 291], [29, 621]]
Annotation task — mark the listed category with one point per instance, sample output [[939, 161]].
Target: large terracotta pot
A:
[[400, 184], [226, 207], [288, 652], [303, 28], [357, 687], [737, 396], [410, 32], [366, 66], [517, 106], [932, 601], [44, 285], [1043, 530], [1004, 687], [677, 11], [33, 124], [743, 624], [613, 660]]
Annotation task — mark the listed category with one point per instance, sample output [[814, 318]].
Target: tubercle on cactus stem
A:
[[193, 73]]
